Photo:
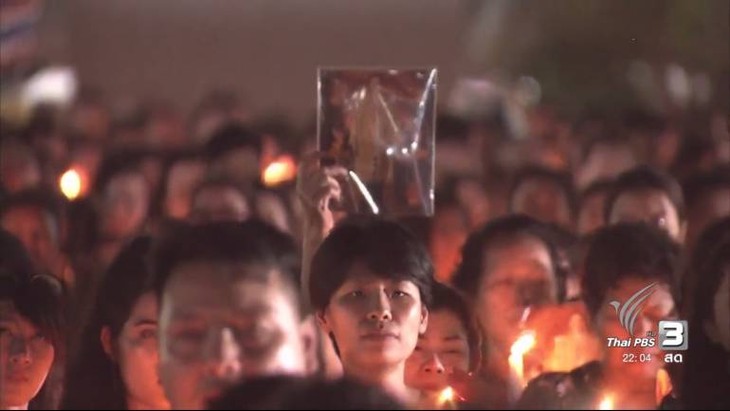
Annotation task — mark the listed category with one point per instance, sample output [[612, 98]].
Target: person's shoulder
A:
[[561, 390]]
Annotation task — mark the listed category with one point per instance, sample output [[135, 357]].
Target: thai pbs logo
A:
[[672, 334]]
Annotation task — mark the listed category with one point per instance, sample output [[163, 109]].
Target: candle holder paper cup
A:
[[379, 124]]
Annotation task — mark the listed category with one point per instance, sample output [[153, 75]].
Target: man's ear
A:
[[424, 320], [105, 336], [321, 317], [682, 232]]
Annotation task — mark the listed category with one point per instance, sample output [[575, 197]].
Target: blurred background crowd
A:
[[121, 116]]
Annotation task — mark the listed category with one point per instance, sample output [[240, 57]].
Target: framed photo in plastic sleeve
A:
[[378, 123]]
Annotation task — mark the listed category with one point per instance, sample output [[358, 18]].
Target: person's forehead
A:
[[360, 275], [647, 200], [216, 286], [518, 248], [632, 284], [444, 324]]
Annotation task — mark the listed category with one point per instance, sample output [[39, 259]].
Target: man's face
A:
[[649, 206], [517, 275], [375, 321], [216, 329]]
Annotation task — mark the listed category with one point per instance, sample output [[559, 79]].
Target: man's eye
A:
[[399, 294], [355, 294]]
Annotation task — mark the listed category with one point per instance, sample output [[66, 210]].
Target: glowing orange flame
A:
[[70, 184], [279, 171], [522, 345], [663, 385], [606, 403], [446, 395]]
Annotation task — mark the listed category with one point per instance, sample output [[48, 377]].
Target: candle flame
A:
[[663, 385], [523, 344], [446, 395], [279, 171], [70, 184], [606, 403]]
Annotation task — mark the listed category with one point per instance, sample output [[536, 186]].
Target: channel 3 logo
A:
[[673, 335]]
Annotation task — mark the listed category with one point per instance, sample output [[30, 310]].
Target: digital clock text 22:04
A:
[[632, 358]]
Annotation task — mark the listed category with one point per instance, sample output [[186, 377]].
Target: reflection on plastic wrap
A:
[[379, 124]]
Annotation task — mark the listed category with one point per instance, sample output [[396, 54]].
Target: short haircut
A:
[[628, 250], [249, 242], [645, 178], [297, 393], [468, 276], [384, 247], [701, 184], [446, 298], [559, 179], [230, 137]]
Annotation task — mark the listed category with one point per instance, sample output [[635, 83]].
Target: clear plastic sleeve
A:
[[379, 125]]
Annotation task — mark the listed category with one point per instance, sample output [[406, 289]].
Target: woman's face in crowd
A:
[[136, 353], [659, 305], [26, 356], [375, 321], [517, 275], [441, 349], [125, 205]]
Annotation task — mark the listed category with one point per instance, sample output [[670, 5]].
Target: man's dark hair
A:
[[645, 178], [628, 250], [446, 298], [249, 242], [297, 393], [502, 230], [384, 247], [230, 137]]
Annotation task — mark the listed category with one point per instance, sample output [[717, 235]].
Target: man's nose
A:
[[223, 355]]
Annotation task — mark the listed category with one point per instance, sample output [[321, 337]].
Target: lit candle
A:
[[524, 343], [279, 171], [663, 385], [446, 398], [606, 403], [70, 184]]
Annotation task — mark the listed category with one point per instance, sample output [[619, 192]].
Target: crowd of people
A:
[[178, 271]]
